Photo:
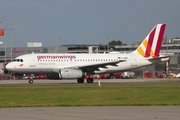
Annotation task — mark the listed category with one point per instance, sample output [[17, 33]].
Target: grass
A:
[[117, 95]]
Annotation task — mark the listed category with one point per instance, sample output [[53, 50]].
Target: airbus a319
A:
[[77, 66]]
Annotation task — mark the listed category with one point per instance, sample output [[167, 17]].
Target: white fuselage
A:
[[51, 63]]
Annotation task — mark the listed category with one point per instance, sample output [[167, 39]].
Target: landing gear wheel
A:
[[80, 80], [90, 80], [30, 81]]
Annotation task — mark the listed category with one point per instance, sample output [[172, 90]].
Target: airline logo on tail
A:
[[152, 43]]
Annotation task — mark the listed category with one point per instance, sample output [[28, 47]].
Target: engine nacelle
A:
[[71, 73]]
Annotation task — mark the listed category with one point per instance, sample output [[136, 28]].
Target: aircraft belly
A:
[[32, 70]]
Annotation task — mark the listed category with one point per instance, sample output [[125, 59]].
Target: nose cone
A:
[[9, 66]]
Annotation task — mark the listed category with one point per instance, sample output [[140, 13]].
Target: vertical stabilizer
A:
[[151, 45]]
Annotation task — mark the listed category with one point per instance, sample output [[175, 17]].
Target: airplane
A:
[[77, 66]]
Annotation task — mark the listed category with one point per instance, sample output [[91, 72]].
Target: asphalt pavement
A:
[[92, 113]]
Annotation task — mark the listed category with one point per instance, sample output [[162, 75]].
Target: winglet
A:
[[151, 45]]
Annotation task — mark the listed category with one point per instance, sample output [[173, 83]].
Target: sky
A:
[[67, 22]]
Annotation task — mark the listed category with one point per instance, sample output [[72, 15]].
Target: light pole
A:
[[5, 44], [167, 64], [107, 44], [11, 41], [60, 44]]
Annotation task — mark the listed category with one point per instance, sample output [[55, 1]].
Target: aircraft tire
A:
[[90, 80], [31, 81], [80, 80]]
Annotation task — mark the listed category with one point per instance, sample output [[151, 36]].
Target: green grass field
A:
[[117, 95]]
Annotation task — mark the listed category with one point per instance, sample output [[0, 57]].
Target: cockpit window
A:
[[18, 60]]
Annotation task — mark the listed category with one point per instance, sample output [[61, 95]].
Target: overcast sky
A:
[[86, 21]]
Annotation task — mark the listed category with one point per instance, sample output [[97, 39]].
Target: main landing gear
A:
[[89, 80]]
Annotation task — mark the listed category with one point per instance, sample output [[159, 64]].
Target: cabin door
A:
[[32, 61], [133, 61]]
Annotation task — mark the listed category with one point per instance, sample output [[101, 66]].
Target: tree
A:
[[115, 42]]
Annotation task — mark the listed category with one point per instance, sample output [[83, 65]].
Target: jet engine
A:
[[71, 73], [67, 73]]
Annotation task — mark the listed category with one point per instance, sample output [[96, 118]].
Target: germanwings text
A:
[[56, 57]]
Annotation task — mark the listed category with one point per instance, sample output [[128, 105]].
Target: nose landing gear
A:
[[31, 79]]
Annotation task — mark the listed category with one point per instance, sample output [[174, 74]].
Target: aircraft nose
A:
[[9, 66]]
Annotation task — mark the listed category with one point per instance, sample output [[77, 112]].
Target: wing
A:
[[89, 67], [92, 67]]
